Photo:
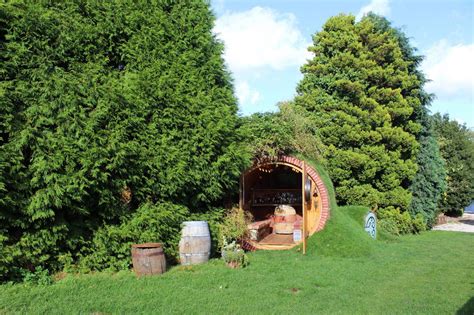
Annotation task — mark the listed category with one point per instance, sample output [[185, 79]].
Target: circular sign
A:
[[371, 224]]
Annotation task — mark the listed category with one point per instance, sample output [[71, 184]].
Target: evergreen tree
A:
[[363, 94], [429, 183], [106, 105], [456, 144]]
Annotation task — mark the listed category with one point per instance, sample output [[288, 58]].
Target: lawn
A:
[[431, 273]]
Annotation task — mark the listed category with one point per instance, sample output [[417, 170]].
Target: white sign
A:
[[371, 224]]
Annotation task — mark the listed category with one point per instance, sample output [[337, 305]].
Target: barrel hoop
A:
[[148, 254], [195, 222], [195, 254]]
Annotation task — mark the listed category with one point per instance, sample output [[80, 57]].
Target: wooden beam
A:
[[303, 180], [242, 191]]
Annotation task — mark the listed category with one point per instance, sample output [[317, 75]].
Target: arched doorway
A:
[[271, 183]]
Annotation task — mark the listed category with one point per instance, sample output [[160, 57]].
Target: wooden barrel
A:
[[284, 218], [195, 243], [148, 259]]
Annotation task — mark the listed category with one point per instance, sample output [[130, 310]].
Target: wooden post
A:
[[242, 191], [303, 206], [241, 203]]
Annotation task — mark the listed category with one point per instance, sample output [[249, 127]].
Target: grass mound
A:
[[343, 235], [357, 213]]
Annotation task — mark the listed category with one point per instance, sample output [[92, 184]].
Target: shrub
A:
[[39, 276], [396, 222], [389, 226], [234, 226], [429, 184], [111, 245], [419, 223], [288, 131], [456, 143]]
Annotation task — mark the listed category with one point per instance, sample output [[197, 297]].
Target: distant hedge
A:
[[107, 106]]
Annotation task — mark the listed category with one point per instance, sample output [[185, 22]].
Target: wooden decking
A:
[[276, 241]]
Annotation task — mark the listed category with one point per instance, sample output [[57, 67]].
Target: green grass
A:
[[344, 272], [342, 236], [431, 273]]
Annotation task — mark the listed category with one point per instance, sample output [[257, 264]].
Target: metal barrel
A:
[[195, 243]]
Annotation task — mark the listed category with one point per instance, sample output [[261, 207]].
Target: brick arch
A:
[[313, 174]]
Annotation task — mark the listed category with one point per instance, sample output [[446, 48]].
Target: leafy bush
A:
[[35, 248], [111, 245], [429, 184], [456, 143], [38, 277], [395, 222], [288, 131], [233, 255], [111, 107], [419, 223], [234, 226], [388, 225]]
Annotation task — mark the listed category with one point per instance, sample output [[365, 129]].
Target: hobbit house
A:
[[287, 200]]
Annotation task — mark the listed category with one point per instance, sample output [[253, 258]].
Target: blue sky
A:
[[266, 44]]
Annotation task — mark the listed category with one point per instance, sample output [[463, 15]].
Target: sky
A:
[[266, 44]]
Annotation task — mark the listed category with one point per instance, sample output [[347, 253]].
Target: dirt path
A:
[[463, 224]]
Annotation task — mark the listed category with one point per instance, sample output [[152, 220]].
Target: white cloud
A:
[[245, 94], [261, 37], [450, 69], [381, 7]]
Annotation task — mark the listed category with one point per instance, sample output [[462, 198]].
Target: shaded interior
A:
[[269, 186]]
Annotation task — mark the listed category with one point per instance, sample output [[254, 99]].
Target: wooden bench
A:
[[260, 229]]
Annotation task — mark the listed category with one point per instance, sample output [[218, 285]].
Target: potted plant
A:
[[233, 255], [232, 230]]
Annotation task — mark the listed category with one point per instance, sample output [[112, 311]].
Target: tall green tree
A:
[[105, 106], [429, 183], [456, 143], [364, 96]]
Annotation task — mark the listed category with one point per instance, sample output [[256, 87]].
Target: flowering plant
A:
[[234, 255]]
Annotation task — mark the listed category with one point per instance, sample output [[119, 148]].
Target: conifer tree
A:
[[429, 183], [456, 144], [106, 105], [363, 96]]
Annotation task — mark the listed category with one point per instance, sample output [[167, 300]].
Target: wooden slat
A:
[[277, 239], [304, 206]]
